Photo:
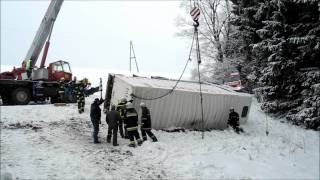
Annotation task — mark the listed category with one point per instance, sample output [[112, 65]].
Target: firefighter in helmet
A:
[[131, 121], [146, 123], [79, 91], [233, 121]]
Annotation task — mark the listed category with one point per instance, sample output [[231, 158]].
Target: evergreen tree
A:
[[281, 43]]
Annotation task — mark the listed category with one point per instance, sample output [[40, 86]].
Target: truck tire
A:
[[21, 96]]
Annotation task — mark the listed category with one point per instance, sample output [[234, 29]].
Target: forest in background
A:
[[274, 45]]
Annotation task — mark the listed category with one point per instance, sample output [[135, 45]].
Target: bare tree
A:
[[214, 29], [214, 34]]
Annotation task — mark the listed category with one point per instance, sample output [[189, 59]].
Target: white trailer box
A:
[[181, 108]]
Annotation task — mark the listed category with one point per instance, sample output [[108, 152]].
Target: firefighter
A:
[[29, 68], [121, 108], [61, 89], [146, 123], [233, 120], [95, 115], [131, 121], [112, 119], [79, 91]]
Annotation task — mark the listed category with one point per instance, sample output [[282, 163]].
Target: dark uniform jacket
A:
[[79, 89], [131, 119], [145, 118], [233, 119], [95, 112], [113, 118]]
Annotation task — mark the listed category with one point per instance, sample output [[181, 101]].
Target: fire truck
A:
[[16, 88]]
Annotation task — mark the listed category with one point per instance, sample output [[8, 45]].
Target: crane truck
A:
[[16, 88]]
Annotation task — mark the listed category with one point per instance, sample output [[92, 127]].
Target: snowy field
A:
[[49, 142]]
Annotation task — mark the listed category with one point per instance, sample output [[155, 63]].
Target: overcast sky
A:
[[97, 34]]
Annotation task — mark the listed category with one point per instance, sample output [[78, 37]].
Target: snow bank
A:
[[48, 142]]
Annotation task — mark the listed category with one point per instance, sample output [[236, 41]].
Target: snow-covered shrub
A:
[[304, 116], [316, 89]]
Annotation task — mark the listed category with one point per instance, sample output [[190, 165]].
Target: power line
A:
[[174, 87]]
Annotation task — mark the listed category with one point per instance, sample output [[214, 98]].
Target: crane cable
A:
[[195, 13], [174, 87], [199, 62]]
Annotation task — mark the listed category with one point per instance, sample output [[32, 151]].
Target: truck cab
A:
[[60, 69], [232, 79]]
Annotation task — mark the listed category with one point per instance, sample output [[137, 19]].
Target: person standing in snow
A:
[[95, 115], [146, 123], [233, 120], [131, 121], [112, 119], [121, 108]]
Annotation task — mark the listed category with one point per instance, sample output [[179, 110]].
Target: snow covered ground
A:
[[50, 142]]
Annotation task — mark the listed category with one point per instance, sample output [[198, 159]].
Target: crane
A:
[[16, 88], [56, 70], [44, 33]]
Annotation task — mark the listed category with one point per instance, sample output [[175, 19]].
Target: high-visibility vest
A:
[[28, 65]]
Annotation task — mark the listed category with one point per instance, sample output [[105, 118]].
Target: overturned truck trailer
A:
[[181, 108]]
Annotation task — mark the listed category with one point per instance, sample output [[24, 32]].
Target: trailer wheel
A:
[[21, 96]]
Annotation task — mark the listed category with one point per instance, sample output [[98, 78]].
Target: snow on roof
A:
[[182, 86]]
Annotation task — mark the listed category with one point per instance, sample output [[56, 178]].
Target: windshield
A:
[[57, 67], [66, 67], [62, 67]]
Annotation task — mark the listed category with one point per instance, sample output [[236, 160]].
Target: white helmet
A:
[[142, 104], [129, 105]]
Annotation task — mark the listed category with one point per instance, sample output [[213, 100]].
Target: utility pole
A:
[[132, 56]]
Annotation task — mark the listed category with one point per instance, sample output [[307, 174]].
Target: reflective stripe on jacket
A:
[[132, 128], [131, 119]]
